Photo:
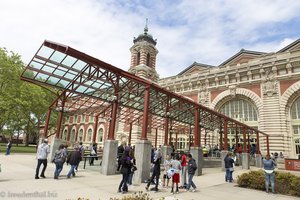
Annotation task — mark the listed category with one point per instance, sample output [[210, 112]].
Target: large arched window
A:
[[295, 122], [80, 135], [73, 134], [65, 135], [242, 110], [100, 135], [89, 135]]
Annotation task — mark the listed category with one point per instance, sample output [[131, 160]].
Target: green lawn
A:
[[18, 149]]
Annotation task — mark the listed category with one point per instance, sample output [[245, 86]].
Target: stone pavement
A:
[[17, 178]]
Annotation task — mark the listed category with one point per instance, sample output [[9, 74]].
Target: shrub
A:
[[285, 183]]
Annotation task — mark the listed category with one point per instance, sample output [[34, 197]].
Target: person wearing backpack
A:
[[59, 160], [192, 167]]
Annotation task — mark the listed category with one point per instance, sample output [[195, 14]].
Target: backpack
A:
[[59, 157]]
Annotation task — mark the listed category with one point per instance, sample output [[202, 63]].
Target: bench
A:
[[85, 157]]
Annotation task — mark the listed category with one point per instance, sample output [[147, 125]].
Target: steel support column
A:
[[145, 114], [236, 137], [95, 129], [268, 147], [257, 143], [60, 119], [221, 138], [197, 142], [47, 123], [225, 135], [166, 131], [156, 132], [244, 141], [176, 143], [249, 146], [112, 123], [130, 132]]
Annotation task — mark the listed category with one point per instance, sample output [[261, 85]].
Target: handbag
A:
[[269, 171], [93, 152], [231, 169]]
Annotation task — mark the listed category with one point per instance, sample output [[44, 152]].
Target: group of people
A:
[[174, 167], [61, 156], [269, 165]]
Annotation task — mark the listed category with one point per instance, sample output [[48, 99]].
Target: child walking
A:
[[176, 165]]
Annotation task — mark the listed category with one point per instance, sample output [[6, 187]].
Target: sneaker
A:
[[147, 188], [37, 177], [194, 190], [187, 190], [43, 176], [119, 191]]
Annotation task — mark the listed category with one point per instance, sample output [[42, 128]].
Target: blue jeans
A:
[[190, 182], [123, 184], [71, 172], [228, 175], [129, 180], [58, 169], [7, 151], [270, 178]]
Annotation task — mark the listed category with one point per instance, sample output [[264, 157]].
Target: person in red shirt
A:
[[183, 170]]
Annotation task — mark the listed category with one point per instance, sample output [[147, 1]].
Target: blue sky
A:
[[204, 31]]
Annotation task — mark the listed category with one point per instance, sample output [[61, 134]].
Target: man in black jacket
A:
[[73, 160], [192, 167], [156, 170]]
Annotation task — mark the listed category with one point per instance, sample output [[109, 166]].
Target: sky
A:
[[187, 31]]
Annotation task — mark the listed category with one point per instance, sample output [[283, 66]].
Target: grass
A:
[[18, 149]]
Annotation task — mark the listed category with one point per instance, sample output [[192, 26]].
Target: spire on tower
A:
[[146, 27]]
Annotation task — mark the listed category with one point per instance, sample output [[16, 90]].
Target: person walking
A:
[[192, 167], [133, 168], [167, 166], [73, 160], [81, 151], [156, 171], [269, 166], [42, 154], [93, 153], [183, 170], [228, 167], [176, 165], [59, 160], [126, 165], [120, 154], [8, 147]]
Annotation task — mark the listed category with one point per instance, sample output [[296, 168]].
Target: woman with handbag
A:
[[269, 166], [126, 165]]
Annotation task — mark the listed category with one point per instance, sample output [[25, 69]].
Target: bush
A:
[[285, 183]]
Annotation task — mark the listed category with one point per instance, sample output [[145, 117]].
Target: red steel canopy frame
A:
[[90, 86]]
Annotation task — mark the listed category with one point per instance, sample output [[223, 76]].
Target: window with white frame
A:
[[80, 135], [100, 135], [89, 135]]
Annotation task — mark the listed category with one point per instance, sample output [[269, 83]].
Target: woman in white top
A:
[[167, 166]]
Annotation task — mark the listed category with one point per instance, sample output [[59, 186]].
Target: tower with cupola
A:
[[143, 56]]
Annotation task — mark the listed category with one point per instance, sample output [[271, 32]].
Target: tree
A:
[[23, 106]]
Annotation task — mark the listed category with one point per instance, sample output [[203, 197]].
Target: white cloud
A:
[[204, 31]]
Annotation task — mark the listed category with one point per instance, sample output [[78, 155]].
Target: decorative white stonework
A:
[[269, 84], [203, 95], [287, 97], [232, 89]]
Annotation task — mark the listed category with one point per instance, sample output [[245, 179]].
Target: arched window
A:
[[89, 135], [65, 135], [148, 60], [242, 110], [80, 135], [72, 137], [138, 58], [295, 122], [100, 135]]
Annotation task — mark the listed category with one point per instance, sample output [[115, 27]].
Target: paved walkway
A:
[[17, 178]]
